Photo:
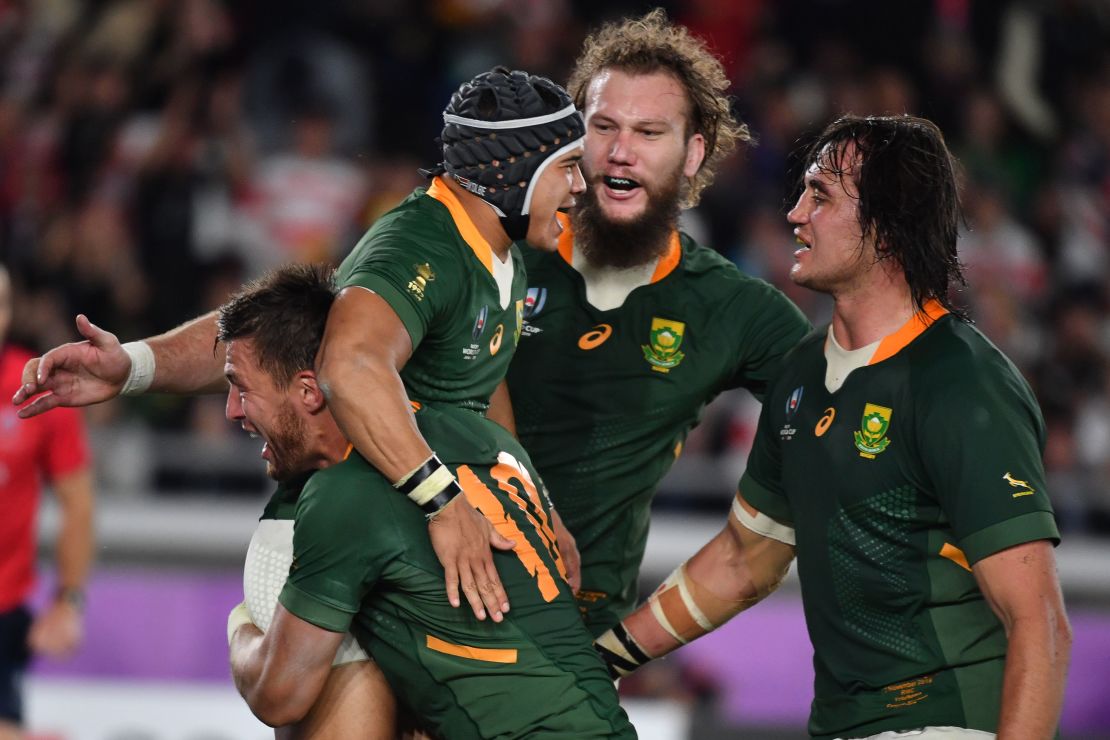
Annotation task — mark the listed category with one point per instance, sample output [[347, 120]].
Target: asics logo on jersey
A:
[[824, 422], [1018, 483], [495, 343], [595, 337]]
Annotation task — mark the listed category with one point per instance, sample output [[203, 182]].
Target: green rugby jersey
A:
[[363, 562], [604, 399], [924, 462], [459, 303]]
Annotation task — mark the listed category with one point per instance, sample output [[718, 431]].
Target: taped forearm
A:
[[745, 565], [431, 486]]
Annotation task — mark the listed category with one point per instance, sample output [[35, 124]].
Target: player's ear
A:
[[309, 391], [695, 155]]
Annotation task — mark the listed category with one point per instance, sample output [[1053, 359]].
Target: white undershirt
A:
[[609, 287], [840, 362], [503, 276]]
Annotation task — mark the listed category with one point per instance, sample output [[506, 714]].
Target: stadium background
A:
[[156, 153]]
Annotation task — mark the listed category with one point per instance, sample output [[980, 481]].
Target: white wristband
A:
[[142, 368], [236, 619]]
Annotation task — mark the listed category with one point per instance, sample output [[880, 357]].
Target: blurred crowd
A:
[[156, 153]]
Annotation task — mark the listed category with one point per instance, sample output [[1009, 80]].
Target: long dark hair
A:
[[909, 200]]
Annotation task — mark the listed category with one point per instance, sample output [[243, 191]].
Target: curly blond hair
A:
[[653, 44]]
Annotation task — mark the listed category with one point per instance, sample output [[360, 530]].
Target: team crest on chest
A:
[[419, 284], [662, 353], [871, 438]]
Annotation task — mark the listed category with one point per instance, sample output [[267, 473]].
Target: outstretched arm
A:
[[744, 563], [184, 360], [1021, 585], [365, 346]]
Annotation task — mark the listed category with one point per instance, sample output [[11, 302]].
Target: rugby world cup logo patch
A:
[[479, 323], [534, 301], [794, 401]]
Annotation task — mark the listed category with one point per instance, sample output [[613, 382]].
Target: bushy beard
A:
[[623, 244]]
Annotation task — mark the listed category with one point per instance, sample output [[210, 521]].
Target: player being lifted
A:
[[430, 310]]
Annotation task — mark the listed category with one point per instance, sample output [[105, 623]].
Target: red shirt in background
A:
[[32, 451]]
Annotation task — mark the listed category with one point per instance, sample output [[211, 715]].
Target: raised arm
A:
[[364, 348], [736, 569], [1022, 588], [184, 360]]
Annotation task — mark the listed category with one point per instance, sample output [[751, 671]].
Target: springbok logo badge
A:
[[666, 337], [871, 437]]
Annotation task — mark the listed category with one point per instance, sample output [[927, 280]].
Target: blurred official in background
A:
[[48, 449]]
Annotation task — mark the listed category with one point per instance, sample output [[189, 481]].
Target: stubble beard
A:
[[634, 242], [288, 446]]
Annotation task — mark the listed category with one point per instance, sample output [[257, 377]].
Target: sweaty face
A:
[[833, 255], [555, 190], [265, 410], [637, 158]]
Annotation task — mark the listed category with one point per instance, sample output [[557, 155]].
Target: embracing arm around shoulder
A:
[[365, 346], [744, 563], [282, 672], [1021, 586]]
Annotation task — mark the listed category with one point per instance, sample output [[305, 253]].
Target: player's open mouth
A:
[[620, 184]]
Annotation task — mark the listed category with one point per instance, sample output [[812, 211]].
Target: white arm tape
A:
[[239, 616], [432, 485], [677, 579], [141, 374], [763, 525]]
